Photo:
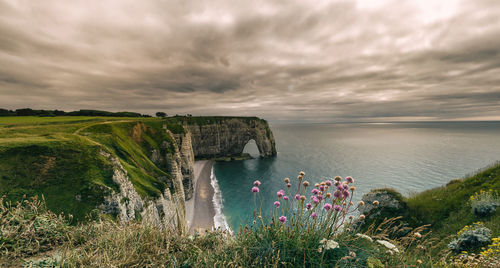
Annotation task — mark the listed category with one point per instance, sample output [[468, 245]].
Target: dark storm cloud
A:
[[321, 60]]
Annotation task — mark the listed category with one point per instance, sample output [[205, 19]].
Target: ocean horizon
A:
[[408, 156]]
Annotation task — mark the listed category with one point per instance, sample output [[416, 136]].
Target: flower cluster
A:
[[471, 237], [317, 211], [493, 249], [484, 203]]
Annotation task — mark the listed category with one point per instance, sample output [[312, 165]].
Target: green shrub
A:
[[471, 237], [484, 203]]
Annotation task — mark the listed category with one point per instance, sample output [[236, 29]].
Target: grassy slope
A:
[[448, 209], [59, 158]]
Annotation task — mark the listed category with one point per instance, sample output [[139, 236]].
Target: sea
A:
[[409, 157]]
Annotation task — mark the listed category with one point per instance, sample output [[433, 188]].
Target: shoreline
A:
[[200, 211]]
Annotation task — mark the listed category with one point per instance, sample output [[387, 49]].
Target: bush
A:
[[471, 237], [484, 203]]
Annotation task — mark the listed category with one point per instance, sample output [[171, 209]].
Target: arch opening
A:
[[251, 149]]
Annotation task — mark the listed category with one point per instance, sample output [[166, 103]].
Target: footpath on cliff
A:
[[200, 210]]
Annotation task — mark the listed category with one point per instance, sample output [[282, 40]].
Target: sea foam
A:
[[219, 218]]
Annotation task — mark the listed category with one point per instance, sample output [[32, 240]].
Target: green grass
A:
[[448, 208], [59, 157]]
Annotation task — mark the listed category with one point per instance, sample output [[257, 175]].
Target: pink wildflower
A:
[[328, 183], [308, 206], [255, 189], [280, 193], [282, 219], [297, 196], [337, 208], [277, 204], [327, 206], [285, 197], [314, 215], [256, 183], [315, 191], [349, 179]]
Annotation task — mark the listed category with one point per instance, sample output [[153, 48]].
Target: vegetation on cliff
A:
[[61, 158]]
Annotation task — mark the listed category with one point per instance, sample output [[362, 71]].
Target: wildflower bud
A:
[[302, 197], [344, 203], [337, 183], [328, 195], [316, 185], [322, 183], [376, 203], [419, 262], [288, 185], [287, 180], [299, 177], [352, 254], [347, 229], [305, 183], [351, 217], [417, 235], [256, 183], [338, 178], [259, 217], [361, 203], [362, 217], [351, 203], [352, 188], [302, 173], [254, 222]]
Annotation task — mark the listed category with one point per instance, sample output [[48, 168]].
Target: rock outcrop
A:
[[228, 137], [391, 204]]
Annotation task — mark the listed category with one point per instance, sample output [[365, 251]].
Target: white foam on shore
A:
[[219, 218]]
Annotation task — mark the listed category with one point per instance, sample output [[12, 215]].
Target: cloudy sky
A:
[[320, 61]]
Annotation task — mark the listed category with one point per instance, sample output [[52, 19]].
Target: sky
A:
[[285, 61]]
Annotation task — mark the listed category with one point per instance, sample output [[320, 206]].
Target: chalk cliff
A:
[[227, 136]]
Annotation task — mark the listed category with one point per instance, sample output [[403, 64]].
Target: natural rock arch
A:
[[228, 136]]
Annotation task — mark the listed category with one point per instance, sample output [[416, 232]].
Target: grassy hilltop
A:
[[60, 158]]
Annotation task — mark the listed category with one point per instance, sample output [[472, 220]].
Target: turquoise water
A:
[[409, 157]]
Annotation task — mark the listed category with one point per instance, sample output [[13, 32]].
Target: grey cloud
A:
[[282, 60]]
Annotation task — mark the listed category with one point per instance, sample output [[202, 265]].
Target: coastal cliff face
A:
[[131, 169], [228, 137], [167, 209], [186, 156]]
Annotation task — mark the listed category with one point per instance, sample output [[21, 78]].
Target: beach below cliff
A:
[[200, 210]]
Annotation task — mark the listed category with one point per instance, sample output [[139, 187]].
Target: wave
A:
[[219, 218]]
